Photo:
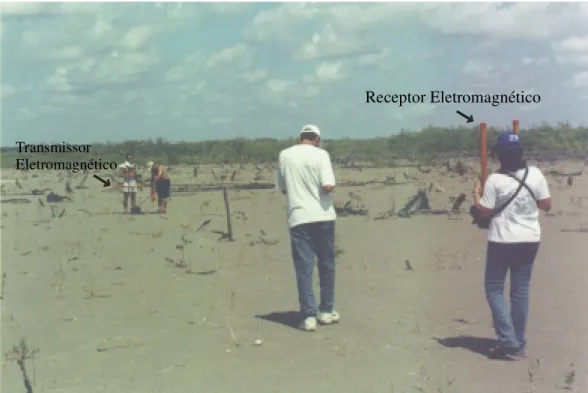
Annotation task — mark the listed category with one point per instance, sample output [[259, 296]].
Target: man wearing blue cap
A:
[[512, 198]]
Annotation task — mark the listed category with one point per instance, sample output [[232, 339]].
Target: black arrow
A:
[[470, 118], [106, 183]]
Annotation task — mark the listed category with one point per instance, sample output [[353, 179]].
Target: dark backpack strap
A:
[[521, 184]]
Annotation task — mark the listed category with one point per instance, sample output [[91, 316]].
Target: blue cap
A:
[[508, 140]]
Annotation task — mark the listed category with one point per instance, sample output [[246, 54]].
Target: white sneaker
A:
[[309, 324], [328, 318]]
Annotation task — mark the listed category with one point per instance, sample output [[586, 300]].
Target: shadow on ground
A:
[[478, 345], [290, 319]]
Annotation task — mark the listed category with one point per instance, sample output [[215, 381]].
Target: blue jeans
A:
[[310, 240], [510, 325]]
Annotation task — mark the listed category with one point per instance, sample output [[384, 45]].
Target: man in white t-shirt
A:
[[305, 175], [513, 239]]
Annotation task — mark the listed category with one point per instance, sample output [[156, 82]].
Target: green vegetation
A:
[[429, 144]]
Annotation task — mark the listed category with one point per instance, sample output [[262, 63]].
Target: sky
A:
[[97, 72]]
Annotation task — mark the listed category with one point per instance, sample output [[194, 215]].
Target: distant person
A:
[[128, 172], [305, 175], [160, 186], [513, 240]]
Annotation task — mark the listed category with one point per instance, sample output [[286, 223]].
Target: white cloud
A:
[[529, 60], [373, 59], [581, 79], [486, 73], [285, 92], [288, 92], [237, 55], [332, 43], [59, 83], [486, 46], [477, 68], [95, 36], [71, 52], [78, 30], [219, 120], [7, 90], [92, 75], [20, 9], [329, 71], [276, 23], [325, 72], [574, 44], [573, 60], [357, 29], [92, 47], [255, 76], [26, 112], [411, 112], [137, 37], [572, 50], [228, 8], [532, 21], [279, 86], [190, 66]]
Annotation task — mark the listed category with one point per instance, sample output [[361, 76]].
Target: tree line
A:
[[431, 143]]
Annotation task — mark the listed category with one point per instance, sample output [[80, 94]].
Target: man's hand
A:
[[477, 191], [477, 187], [328, 189]]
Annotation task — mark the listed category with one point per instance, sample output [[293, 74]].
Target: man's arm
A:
[[543, 195], [280, 181], [326, 174], [487, 203]]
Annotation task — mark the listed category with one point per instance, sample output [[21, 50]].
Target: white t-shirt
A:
[[302, 171], [519, 221]]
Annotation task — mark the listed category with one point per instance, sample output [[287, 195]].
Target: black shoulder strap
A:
[[521, 184]]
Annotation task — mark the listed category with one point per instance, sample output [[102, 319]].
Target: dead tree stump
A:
[[419, 201], [228, 211]]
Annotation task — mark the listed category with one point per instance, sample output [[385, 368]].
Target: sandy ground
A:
[[113, 304]]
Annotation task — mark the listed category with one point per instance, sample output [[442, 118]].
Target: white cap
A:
[[311, 128], [126, 164]]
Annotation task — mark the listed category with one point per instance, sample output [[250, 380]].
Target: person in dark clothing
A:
[[160, 186]]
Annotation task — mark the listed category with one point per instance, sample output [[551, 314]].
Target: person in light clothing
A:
[[305, 175], [129, 187], [513, 240]]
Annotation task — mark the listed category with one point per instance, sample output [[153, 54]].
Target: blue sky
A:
[[93, 72]]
